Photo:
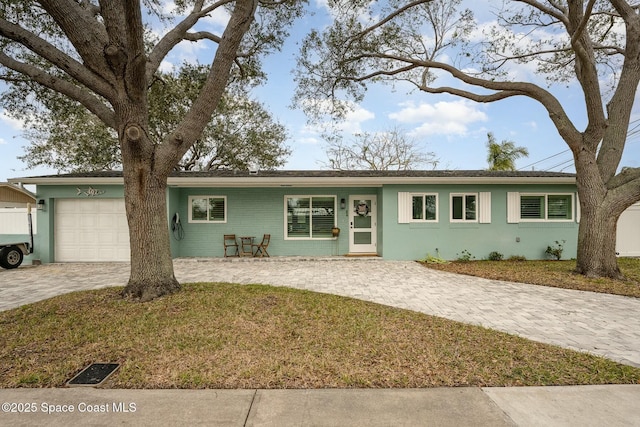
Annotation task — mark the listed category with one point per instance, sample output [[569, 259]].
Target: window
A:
[[424, 207], [546, 207], [207, 209], [463, 207], [310, 217]]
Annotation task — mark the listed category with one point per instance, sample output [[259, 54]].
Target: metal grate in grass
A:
[[93, 375]]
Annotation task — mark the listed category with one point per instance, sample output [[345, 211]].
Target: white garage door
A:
[[628, 235], [91, 230]]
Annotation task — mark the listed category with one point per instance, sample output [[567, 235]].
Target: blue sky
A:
[[453, 128]]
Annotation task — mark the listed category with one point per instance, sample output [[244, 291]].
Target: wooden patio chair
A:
[[261, 248], [230, 243]]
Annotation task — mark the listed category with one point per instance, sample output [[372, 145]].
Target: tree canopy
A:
[[502, 156], [386, 150], [67, 137]]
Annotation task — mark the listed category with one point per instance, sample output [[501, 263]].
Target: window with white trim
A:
[[309, 217], [208, 209], [546, 207], [424, 207], [464, 207]]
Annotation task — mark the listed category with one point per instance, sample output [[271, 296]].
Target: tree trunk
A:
[[598, 222], [597, 245], [151, 263]]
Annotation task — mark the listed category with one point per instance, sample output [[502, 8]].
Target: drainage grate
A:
[[93, 374]]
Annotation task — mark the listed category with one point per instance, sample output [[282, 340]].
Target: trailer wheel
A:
[[11, 257]]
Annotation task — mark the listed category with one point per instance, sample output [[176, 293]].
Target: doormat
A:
[[94, 374]]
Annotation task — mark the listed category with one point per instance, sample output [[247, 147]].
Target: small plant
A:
[[434, 259], [519, 258], [555, 251], [430, 259], [465, 256], [495, 256]]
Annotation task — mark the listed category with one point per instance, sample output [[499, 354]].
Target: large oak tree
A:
[[436, 47], [94, 52]]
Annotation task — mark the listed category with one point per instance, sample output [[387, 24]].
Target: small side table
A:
[[246, 243]]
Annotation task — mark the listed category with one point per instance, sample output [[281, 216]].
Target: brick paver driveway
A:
[[601, 324]]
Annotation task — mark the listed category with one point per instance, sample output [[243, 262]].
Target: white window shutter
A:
[[404, 207], [513, 207], [484, 202], [577, 208]]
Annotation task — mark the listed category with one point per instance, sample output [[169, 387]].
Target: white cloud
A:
[[166, 66], [442, 118], [11, 121], [2, 141], [219, 18]]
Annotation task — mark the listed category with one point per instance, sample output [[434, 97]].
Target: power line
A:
[[631, 134], [546, 158]]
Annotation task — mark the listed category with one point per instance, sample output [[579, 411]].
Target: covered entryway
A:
[[363, 224], [628, 234], [91, 230]]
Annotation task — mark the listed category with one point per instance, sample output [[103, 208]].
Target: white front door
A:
[[362, 224]]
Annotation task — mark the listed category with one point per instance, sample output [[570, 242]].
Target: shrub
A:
[[555, 251], [495, 256], [434, 259], [517, 258], [464, 256]]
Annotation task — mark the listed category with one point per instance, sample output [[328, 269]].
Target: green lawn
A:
[[216, 335], [550, 273]]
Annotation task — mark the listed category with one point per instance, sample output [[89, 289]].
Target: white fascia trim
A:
[[357, 181], [249, 182], [70, 181], [252, 182]]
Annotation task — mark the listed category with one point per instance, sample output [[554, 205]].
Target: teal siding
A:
[[448, 240], [254, 212]]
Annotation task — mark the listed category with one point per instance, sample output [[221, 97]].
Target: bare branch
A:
[[178, 33]]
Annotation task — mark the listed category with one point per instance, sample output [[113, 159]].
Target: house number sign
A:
[[90, 192]]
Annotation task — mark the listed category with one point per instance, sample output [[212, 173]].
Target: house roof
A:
[[307, 178], [13, 193]]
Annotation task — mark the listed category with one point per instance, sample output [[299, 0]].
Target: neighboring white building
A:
[[628, 235]]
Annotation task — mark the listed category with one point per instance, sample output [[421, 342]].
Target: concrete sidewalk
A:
[[526, 406]]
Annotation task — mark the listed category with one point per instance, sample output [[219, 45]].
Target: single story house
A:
[[398, 215]]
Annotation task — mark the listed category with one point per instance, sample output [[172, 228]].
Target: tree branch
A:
[[73, 18], [177, 34], [74, 92], [51, 53]]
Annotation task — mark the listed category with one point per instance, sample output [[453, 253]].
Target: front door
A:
[[362, 224]]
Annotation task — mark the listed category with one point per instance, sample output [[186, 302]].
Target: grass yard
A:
[[234, 336], [550, 273]]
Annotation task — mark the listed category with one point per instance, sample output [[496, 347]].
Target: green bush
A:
[[495, 256], [555, 251], [464, 256], [517, 258]]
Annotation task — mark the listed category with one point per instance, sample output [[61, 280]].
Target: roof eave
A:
[[257, 181]]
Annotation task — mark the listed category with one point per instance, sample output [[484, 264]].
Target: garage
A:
[[91, 230], [628, 234]]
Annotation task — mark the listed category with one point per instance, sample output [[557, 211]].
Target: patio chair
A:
[[230, 244], [261, 249]]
